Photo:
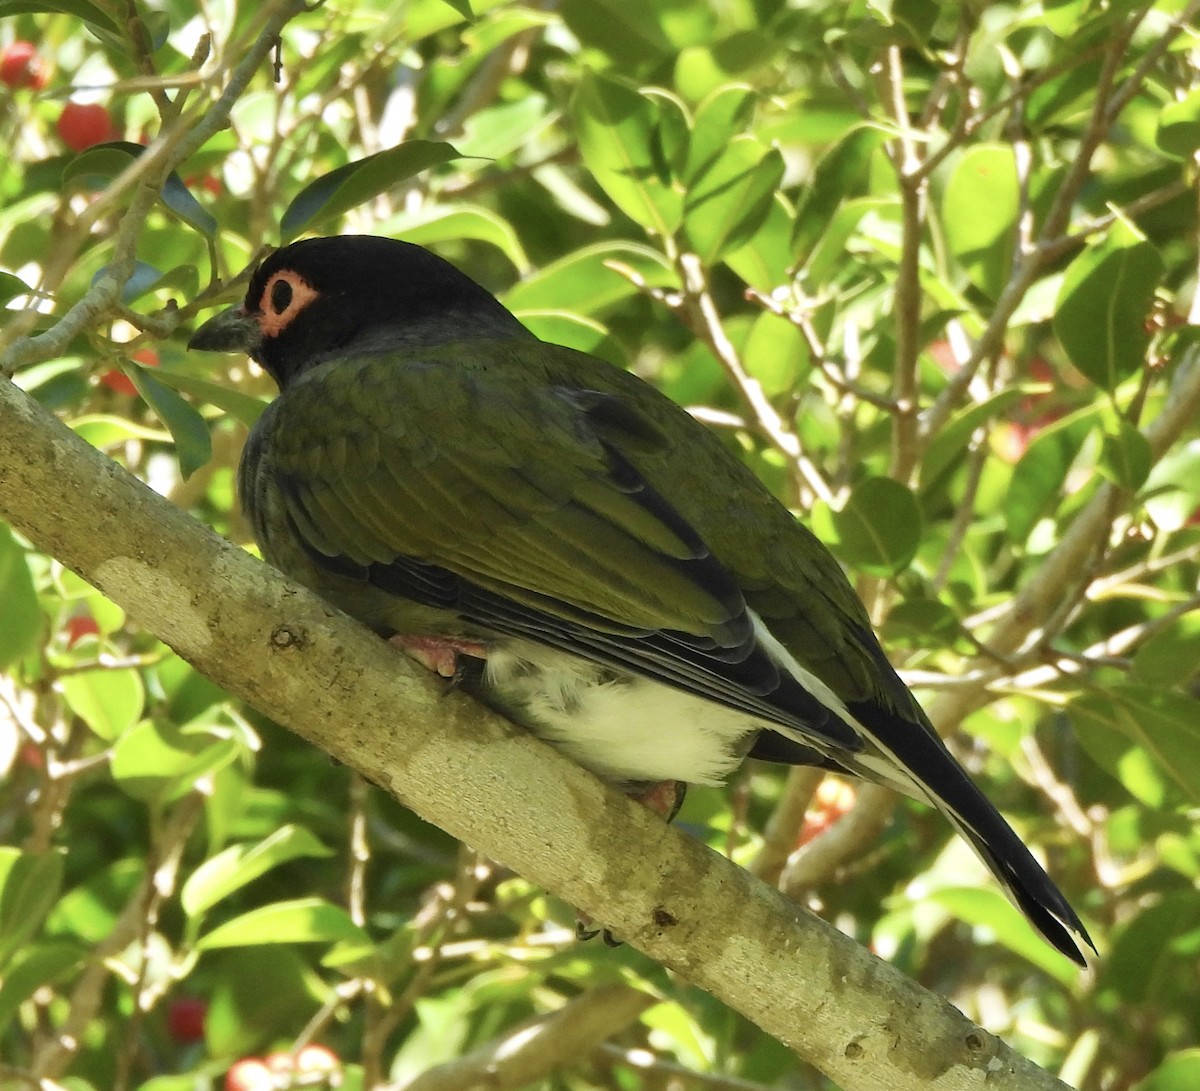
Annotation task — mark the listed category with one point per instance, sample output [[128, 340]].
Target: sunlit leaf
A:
[[349, 186], [1102, 308]]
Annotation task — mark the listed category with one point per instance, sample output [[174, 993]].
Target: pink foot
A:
[[438, 653], [663, 797]]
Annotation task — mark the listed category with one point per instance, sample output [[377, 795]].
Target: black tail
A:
[[919, 763]]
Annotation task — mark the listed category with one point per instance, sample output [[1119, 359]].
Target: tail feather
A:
[[910, 755]]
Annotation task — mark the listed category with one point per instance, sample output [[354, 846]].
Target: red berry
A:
[[82, 124], [210, 183], [117, 380], [78, 627], [20, 66], [30, 755], [185, 1018], [317, 1058], [249, 1074]]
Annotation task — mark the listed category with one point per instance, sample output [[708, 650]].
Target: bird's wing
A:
[[518, 506]]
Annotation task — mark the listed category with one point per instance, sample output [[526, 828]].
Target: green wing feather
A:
[[426, 454]]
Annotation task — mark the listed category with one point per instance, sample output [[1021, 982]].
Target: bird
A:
[[569, 544]]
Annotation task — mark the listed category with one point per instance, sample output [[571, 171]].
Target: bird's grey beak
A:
[[230, 331]]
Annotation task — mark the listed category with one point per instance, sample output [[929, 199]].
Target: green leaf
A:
[[1172, 490], [775, 352], [22, 618], [242, 407], [1145, 737], [193, 444], [157, 761], [180, 200], [451, 223], [947, 448], [31, 969], [719, 118], [109, 701], [29, 886], [10, 287], [980, 206], [98, 165], [1148, 951], [1170, 657], [764, 259], [990, 910], [729, 201], [260, 996], [221, 875], [349, 186], [839, 174], [1179, 1072], [100, 15], [878, 530], [463, 7], [1037, 480], [305, 920], [1126, 458], [1179, 126], [1102, 308], [617, 128], [585, 281]]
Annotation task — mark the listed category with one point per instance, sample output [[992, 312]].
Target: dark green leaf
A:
[[586, 282], [349, 186], [305, 920], [979, 209], [1179, 126], [29, 885], [22, 618], [1037, 480], [101, 15], [230, 870], [878, 530], [1170, 657], [1102, 307], [193, 444], [243, 407], [1145, 737], [179, 199], [31, 969], [840, 174], [10, 287], [98, 165], [1143, 967], [994, 913], [1125, 458], [947, 448], [260, 996]]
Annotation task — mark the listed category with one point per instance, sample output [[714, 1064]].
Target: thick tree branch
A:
[[854, 1017]]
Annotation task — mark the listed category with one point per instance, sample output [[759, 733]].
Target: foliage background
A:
[[931, 269]]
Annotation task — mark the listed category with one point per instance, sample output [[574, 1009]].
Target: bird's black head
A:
[[351, 293]]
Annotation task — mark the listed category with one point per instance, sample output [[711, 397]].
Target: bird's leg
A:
[[663, 797], [440, 653]]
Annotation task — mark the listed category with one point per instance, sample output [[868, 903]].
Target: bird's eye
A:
[[281, 296]]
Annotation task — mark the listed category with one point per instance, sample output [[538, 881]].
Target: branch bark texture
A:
[[328, 679]]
